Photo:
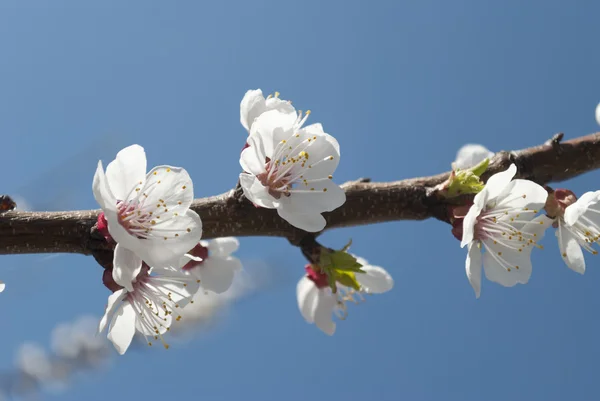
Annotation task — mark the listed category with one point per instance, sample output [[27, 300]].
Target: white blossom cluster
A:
[[509, 217], [160, 261]]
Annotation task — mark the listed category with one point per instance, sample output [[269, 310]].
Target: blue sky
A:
[[402, 85]]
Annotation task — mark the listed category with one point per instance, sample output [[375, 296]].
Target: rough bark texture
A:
[[367, 203]]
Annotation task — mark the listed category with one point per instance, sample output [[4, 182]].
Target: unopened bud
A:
[[558, 201]]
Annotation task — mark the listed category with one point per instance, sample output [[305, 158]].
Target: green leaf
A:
[[481, 167], [348, 279], [340, 266]]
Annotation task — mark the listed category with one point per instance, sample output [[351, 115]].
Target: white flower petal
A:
[[251, 106], [471, 218], [2, 286], [273, 127], [223, 247], [126, 266], [323, 310], [126, 171], [122, 328], [471, 155], [114, 300], [323, 152], [496, 184], [314, 197], [538, 226], [473, 267], [158, 251], [375, 280], [307, 294], [576, 210], [256, 192], [598, 113], [216, 274], [253, 158], [101, 190], [283, 106], [167, 187], [308, 222], [521, 194], [498, 259], [570, 250]]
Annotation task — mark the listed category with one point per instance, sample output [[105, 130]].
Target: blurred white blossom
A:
[[471, 155]]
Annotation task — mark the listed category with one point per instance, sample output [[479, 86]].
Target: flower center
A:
[[154, 302], [134, 219], [347, 294], [500, 224], [503, 226], [284, 171], [276, 178]]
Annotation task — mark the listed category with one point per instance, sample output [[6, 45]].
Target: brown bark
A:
[[229, 214]]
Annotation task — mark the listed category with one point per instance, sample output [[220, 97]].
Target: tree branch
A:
[[229, 214]]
